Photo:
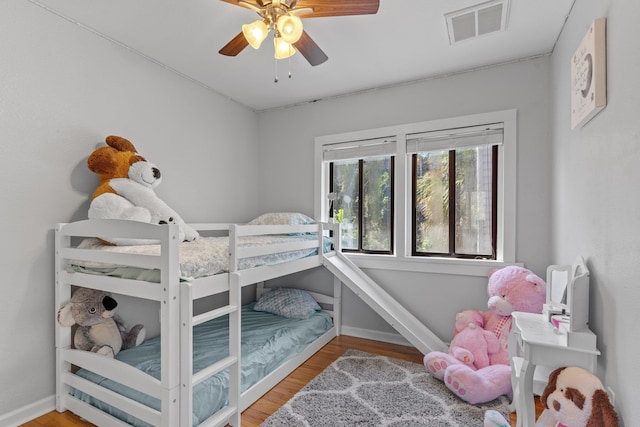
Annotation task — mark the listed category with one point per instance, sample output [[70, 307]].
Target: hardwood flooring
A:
[[280, 394]]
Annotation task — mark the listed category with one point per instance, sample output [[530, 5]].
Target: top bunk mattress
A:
[[206, 256]]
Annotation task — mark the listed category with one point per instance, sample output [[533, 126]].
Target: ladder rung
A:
[[213, 314], [216, 419], [213, 369]]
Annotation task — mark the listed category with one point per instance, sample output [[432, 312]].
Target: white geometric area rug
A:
[[362, 389]]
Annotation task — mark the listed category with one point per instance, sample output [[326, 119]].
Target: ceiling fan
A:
[[283, 17]]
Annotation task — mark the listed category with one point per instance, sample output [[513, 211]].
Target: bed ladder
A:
[[229, 414], [382, 303]]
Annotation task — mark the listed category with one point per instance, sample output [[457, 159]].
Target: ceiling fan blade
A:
[[324, 8], [310, 50], [301, 11], [235, 46]]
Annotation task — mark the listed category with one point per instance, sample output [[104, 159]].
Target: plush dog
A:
[[574, 397], [99, 330], [126, 190]]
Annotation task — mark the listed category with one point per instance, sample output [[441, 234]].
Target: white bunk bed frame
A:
[[174, 389]]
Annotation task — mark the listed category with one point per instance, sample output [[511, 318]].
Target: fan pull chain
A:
[[275, 72]]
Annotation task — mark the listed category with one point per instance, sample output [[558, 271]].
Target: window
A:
[[361, 183], [362, 194], [427, 196], [454, 192]]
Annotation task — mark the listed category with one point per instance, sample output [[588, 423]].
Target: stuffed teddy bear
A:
[[467, 317], [126, 190], [573, 397], [511, 288], [99, 330], [473, 345]]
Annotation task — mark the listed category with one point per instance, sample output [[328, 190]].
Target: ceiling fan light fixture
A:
[[283, 18], [255, 33], [282, 49], [290, 28]]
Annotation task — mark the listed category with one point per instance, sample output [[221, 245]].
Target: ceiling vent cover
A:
[[478, 20]]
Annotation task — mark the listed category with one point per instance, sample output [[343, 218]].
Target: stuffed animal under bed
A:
[[126, 190], [99, 330]]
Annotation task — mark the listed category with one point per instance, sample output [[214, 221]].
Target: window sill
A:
[[460, 267]]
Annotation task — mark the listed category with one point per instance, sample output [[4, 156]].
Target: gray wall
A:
[[62, 91], [433, 298], [596, 179]]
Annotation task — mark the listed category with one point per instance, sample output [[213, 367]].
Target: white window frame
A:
[[402, 258]]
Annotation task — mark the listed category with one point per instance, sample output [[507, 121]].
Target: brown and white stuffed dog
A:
[[575, 397], [126, 190]]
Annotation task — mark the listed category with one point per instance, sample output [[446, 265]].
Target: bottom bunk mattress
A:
[[268, 341]]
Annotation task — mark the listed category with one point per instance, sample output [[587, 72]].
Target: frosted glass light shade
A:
[[282, 48], [255, 33], [290, 28]]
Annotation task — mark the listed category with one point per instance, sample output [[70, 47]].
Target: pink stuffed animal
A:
[[510, 289], [465, 318], [474, 346]]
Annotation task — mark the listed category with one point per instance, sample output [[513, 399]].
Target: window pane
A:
[[377, 187], [432, 202], [473, 201], [345, 207]]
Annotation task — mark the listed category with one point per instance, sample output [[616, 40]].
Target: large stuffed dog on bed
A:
[[126, 190]]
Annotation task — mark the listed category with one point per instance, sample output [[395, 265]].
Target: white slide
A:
[[384, 304]]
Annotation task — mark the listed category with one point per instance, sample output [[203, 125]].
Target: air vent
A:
[[478, 20]]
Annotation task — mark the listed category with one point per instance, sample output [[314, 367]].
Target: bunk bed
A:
[[171, 380]]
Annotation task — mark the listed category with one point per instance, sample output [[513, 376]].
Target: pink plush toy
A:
[[465, 318], [510, 289], [474, 346]]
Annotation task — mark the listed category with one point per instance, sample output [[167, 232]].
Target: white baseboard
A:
[[29, 412], [375, 335]]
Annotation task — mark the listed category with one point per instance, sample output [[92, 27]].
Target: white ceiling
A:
[[406, 40]]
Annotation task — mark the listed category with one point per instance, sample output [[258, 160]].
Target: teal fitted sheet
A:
[[267, 342]]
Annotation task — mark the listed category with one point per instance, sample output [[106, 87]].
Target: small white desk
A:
[[533, 342]]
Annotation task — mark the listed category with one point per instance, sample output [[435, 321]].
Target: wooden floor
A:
[[280, 394]]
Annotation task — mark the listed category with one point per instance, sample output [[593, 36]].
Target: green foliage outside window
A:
[[363, 203]]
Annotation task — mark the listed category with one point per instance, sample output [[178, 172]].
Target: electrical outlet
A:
[[612, 396]]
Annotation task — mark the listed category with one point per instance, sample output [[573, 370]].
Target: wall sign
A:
[[589, 75]]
